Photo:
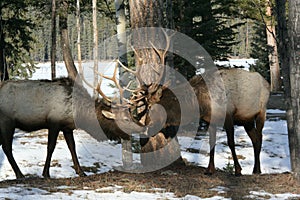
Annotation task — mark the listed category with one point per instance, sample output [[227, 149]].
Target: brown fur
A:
[[238, 98], [58, 105]]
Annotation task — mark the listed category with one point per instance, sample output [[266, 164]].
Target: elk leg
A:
[[212, 142], [229, 127], [7, 148], [52, 138], [69, 137], [256, 138]]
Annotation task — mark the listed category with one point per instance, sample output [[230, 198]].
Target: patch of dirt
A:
[[177, 178]]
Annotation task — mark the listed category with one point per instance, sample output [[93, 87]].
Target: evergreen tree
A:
[[260, 50], [15, 39], [209, 23]]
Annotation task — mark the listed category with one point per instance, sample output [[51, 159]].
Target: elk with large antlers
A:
[[246, 97], [247, 94], [58, 105]]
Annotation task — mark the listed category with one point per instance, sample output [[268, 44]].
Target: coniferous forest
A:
[[69, 31], [237, 30]]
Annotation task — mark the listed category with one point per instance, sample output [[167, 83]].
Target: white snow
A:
[[243, 63], [24, 192], [275, 111], [274, 156], [265, 195], [106, 68], [30, 152]]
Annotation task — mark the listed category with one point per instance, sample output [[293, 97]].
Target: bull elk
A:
[[41, 104], [247, 94]]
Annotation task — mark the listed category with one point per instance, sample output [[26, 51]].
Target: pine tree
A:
[[210, 24], [260, 50], [15, 39]]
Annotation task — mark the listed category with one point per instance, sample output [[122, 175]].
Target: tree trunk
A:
[[151, 14], [121, 31], [146, 14], [283, 48], [78, 37], [3, 67], [127, 156], [53, 39], [294, 52], [170, 25], [95, 39], [273, 56], [122, 42], [65, 44]]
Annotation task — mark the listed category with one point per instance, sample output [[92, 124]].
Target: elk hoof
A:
[[46, 175], [209, 172], [20, 176], [238, 174], [82, 174], [257, 172]]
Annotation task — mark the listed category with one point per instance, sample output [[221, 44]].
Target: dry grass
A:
[[177, 178]]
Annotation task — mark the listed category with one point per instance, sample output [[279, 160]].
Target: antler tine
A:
[[116, 82], [97, 88], [126, 68], [168, 41], [138, 68], [158, 52], [137, 72], [131, 90], [162, 54], [136, 53]]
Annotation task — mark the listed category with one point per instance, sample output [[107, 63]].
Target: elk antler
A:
[[116, 82], [136, 73], [97, 88], [162, 55]]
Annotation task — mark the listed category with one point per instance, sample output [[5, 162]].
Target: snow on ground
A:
[[265, 195], [244, 63], [274, 155], [23, 192], [106, 68], [30, 152]]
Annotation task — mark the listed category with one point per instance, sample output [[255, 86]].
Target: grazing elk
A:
[[247, 94], [41, 104]]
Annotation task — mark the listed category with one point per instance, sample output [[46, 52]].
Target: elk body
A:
[[247, 94], [39, 104]]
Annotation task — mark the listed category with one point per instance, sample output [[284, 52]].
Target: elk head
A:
[[148, 94], [119, 108]]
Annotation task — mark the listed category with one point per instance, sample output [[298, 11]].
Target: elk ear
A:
[[108, 115]]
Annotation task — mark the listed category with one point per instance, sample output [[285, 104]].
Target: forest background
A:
[[237, 29]]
